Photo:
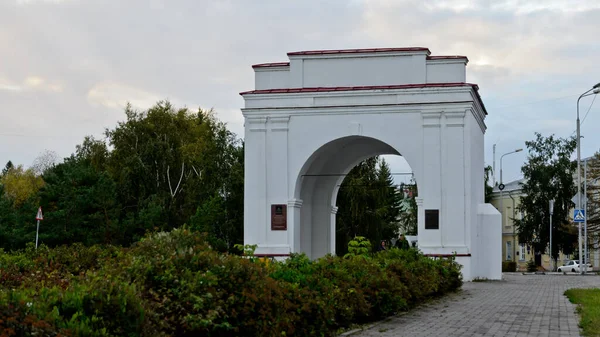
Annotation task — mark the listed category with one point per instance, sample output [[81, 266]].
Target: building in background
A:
[[507, 203]]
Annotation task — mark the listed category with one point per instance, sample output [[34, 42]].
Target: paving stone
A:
[[519, 305]]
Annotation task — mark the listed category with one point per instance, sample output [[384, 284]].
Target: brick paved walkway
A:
[[520, 305]]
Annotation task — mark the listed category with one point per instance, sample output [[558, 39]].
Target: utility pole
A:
[[38, 217], [585, 220], [501, 188], [494, 166], [551, 212], [594, 90], [514, 244]]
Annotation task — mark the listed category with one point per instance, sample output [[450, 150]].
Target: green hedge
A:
[[174, 284], [509, 266]]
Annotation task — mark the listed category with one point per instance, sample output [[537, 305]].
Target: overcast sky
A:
[[67, 67]]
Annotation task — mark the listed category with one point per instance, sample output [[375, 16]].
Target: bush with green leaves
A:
[[175, 284], [531, 266], [359, 246], [509, 266]]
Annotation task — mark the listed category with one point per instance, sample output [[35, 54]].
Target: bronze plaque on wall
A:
[[278, 217], [432, 219]]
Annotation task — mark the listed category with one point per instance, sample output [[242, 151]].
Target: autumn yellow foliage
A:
[[20, 184]]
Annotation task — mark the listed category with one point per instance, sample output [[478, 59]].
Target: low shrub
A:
[[509, 266], [531, 266], [175, 284]]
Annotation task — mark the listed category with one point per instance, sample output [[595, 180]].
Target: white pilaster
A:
[[334, 210], [294, 218], [430, 190], [454, 181], [277, 173], [255, 182]]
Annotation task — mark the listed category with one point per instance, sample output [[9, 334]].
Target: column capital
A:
[[455, 118], [431, 119], [295, 203], [334, 209], [279, 123], [256, 124]]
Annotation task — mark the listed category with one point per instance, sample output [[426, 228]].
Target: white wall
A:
[[272, 77], [439, 131], [361, 69], [446, 71], [384, 70], [487, 250]]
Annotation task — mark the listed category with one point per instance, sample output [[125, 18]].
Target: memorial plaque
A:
[[432, 219], [278, 217]]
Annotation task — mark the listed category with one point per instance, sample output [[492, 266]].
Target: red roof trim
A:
[[270, 255], [447, 57], [448, 255], [378, 105], [355, 51], [269, 65], [376, 87]]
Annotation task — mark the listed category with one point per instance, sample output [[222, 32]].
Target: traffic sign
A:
[[39, 215], [501, 187], [575, 199], [579, 215]]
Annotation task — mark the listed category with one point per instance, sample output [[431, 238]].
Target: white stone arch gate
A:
[[310, 120]]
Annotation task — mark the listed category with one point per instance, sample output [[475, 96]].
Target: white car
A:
[[572, 266]]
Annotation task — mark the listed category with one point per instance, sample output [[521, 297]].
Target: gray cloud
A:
[[69, 66]]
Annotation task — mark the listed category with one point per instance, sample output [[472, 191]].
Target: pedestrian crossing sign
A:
[[579, 215]]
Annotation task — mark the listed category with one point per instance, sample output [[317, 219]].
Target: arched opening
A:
[[319, 184]]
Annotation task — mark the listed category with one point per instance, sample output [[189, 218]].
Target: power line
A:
[[584, 117]]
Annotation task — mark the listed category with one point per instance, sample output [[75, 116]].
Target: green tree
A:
[[9, 165], [19, 201], [166, 167], [368, 205], [20, 184], [389, 206], [488, 188], [94, 152], [79, 205], [221, 216], [408, 209], [17, 224], [549, 175], [593, 196], [168, 163]]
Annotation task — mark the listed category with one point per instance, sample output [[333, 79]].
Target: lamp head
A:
[[597, 90], [518, 150], [596, 86]]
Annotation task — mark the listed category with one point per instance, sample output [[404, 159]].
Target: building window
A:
[[521, 252], [508, 250]]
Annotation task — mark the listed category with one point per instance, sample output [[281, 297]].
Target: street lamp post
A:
[[594, 90], [585, 247], [551, 212], [501, 188]]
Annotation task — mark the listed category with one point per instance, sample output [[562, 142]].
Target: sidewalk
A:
[[519, 305]]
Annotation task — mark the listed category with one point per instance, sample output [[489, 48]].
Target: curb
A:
[[371, 325]]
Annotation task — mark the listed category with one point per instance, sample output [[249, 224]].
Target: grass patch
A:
[[588, 307]]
